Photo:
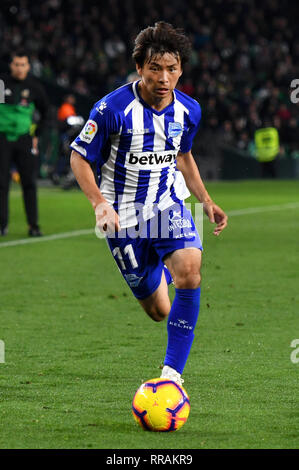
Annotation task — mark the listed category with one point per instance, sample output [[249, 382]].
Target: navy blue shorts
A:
[[139, 251]]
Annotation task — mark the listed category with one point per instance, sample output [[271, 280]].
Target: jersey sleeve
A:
[[191, 126], [101, 124]]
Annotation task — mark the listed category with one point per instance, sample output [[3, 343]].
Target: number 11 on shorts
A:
[[128, 250]]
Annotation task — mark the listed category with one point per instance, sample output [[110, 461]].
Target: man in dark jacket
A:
[[23, 95]]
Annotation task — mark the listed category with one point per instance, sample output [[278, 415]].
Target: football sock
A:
[[167, 275], [180, 327]]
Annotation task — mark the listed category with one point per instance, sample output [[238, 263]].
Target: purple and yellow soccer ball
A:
[[161, 405]]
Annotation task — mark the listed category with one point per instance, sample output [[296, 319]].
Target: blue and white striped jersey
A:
[[135, 149]]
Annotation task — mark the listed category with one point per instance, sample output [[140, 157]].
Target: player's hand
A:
[[215, 215], [34, 148], [107, 220]]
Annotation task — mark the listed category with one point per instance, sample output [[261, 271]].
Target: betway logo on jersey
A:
[[149, 160]]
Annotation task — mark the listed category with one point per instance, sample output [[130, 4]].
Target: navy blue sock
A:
[[180, 326]]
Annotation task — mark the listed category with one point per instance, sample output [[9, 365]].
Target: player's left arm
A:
[[186, 164]]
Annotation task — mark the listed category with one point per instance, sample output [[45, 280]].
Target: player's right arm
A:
[[86, 150], [107, 219], [86, 180]]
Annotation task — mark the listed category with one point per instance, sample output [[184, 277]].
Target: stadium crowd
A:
[[245, 54]]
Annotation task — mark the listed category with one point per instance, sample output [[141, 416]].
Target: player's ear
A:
[[181, 69], [139, 69]]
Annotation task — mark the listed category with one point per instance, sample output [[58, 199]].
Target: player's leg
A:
[[143, 271], [184, 265], [27, 164], [181, 252], [158, 305], [6, 149]]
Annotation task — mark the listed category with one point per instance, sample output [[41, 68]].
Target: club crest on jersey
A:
[[174, 129], [89, 131]]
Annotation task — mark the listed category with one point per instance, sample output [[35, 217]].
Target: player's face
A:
[[159, 77], [20, 67]]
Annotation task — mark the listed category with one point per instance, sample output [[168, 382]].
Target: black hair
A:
[[19, 53], [160, 39]]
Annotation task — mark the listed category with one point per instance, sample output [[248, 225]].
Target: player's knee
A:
[[156, 314], [189, 280]]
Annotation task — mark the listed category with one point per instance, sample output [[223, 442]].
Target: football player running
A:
[[139, 138]]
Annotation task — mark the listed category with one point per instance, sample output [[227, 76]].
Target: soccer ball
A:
[[161, 405]]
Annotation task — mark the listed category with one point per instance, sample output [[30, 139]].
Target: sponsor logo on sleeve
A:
[[89, 131]]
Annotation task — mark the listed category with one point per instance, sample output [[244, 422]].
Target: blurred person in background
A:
[[18, 147], [69, 124], [267, 148], [66, 109]]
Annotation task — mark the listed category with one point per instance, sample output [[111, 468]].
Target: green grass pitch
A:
[[77, 344]]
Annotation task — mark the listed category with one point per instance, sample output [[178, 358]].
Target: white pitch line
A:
[[56, 236], [256, 210], [77, 233]]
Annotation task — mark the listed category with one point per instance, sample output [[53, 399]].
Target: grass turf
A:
[[77, 344]]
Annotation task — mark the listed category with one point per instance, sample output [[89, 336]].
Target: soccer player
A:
[[139, 137]]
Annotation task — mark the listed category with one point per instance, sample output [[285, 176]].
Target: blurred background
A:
[[245, 56]]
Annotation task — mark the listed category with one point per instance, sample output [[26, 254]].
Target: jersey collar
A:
[[144, 103]]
